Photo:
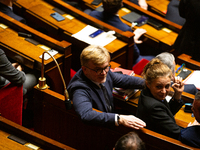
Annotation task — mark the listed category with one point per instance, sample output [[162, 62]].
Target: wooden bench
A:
[[16, 46], [66, 127], [39, 11], [9, 128]]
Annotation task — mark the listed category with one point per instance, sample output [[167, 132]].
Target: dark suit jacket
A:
[[188, 40], [158, 115], [6, 10], [8, 72], [87, 95], [191, 136], [173, 12]]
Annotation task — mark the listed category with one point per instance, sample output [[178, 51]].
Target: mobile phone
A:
[[57, 16], [96, 33], [155, 23], [188, 107]]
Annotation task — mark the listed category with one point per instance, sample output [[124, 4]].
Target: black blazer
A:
[[158, 115], [7, 10]]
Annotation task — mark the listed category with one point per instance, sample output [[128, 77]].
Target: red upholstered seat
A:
[[138, 68], [11, 101], [72, 73]]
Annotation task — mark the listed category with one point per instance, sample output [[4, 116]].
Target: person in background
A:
[[191, 134], [142, 3], [130, 141], [110, 16], [169, 60], [6, 8], [188, 40], [92, 86], [173, 12], [152, 106]]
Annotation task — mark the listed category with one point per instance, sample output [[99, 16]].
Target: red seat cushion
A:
[[138, 68]]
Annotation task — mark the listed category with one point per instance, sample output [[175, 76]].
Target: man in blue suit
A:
[[92, 86], [191, 134], [110, 16], [6, 8]]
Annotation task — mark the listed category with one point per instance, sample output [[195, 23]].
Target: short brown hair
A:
[[112, 6]]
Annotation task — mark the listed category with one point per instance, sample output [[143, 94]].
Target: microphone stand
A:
[[42, 81]]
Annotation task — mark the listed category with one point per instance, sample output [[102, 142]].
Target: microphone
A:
[[42, 81]]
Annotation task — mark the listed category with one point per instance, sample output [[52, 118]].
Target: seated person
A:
[[109, 15], [129, 141], [92, 86], [13, 73], [169, 60], [152, 106], [6, 8], [191, 134], [173, 12], [142, 3]]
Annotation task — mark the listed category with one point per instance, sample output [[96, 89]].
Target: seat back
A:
[[138, 68], [11, 100]]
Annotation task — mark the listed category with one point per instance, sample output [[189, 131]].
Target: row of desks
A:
[[37, 13]]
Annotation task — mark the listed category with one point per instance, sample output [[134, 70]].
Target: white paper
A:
[[194, 78], [47, 56], [101, 40]]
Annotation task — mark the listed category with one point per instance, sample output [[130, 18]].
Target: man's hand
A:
[[193, 123], [138, 33], [143, 4], [131, 121], [17, 66]]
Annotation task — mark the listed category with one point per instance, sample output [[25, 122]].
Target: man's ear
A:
[[83, 68], [148, 85]]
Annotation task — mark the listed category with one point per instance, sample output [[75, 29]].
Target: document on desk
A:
[[102, 39], [193, 78]]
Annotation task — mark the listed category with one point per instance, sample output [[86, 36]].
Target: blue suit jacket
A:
[[87, 95], [191, 136], [6, 10], [111, 19]]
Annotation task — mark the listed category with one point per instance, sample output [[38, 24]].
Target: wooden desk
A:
[[158, 6], [26, 53], [70, 130], [189, 62], [39, 11], [8, 128], [160, 39]]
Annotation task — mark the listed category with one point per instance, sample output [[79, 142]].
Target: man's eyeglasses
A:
[[100, 70]]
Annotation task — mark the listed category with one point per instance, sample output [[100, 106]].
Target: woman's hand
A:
[[178, 87]]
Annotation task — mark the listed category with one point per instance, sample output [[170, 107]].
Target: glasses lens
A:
[[106, 69]]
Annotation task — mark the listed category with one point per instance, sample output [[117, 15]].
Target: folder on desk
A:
[[131, 17]]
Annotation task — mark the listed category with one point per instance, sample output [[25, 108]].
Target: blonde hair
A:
[[97, 54], [154, 69]]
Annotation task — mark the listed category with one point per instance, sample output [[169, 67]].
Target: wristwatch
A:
[[118, 117]]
